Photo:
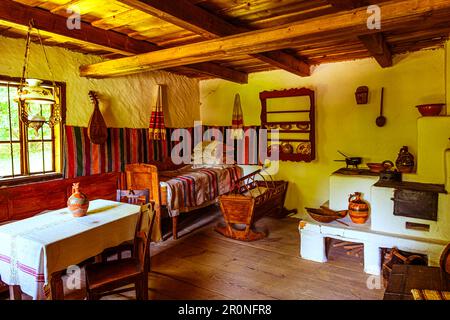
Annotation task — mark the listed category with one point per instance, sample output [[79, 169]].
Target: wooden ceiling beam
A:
[[188, 16], [378, 48], [348, 4], [17, 15], [395, 14]]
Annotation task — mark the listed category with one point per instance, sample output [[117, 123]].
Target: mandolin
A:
[[97, 130]]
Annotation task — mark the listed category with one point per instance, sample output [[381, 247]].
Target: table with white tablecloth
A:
[[31, 250]]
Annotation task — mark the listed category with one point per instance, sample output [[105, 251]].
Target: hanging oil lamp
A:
[[31, 91]]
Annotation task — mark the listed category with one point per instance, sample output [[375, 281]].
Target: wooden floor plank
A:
[[269, 268], [260, 266]]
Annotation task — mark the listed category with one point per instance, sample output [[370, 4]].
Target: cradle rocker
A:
[[250, 200]]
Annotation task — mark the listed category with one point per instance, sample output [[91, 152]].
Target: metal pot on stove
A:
[[389, 173]]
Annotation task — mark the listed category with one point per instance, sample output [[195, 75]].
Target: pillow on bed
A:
[[210, 153], [166, 165]]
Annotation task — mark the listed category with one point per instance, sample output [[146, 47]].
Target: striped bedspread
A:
[[189, 188]]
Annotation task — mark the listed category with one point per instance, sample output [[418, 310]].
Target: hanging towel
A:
[[237, 124], [157, 129]]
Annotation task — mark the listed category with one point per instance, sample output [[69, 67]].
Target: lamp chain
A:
[[46, 58], [27, 52], [55, 114]]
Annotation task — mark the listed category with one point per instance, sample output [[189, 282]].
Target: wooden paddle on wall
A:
[[97, 130]]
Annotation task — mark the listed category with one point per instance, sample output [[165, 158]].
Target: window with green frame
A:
[[25, 152]]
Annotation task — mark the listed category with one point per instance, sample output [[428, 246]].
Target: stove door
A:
[[416, 204]]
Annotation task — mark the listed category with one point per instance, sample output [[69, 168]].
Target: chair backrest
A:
[[143, 176], [143, 236], [445, 259], [133, 196]]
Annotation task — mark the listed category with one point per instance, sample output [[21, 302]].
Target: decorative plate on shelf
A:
[[304, 148], [272, 126], [273, 147], [303, 126], [286, 126], [286, 147]]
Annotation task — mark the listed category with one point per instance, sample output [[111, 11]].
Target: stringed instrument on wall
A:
[[97, 130]]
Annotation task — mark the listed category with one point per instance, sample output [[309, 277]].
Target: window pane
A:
[[14, 114], [48, 156], [16, 158], [35, 157], [46, 110], [47, 131], [4, 116], [5, 160]]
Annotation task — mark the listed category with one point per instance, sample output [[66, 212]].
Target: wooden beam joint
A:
[[378, 48]]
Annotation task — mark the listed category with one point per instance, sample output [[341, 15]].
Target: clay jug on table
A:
[[358, 209], [405, 161], [78, 202]]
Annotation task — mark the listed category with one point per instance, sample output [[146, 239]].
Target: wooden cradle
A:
[[250, 200]]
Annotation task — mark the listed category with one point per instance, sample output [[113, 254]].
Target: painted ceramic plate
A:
[[274, 147], [287, 148], [272, 126], [302, 126], [286, 126], [304, 148]]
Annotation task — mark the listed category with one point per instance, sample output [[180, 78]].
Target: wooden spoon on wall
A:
[[381, 120]]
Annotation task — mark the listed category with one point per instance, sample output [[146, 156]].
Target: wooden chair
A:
[[133, 196], [145, 176], [104, 278], [140, 197]]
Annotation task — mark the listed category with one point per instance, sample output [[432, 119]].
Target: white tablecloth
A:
[[32, 249]]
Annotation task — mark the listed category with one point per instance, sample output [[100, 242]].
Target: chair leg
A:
[[144, 287], [138, 289], [90, 295]]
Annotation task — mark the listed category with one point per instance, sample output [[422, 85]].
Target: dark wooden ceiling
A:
[[118, 17]]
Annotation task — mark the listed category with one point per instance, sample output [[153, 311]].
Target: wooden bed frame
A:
[[146, 176]]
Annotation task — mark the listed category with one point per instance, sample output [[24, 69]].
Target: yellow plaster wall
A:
[[341, 124], [124, 101]]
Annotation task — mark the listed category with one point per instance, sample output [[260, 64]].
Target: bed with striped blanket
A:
[[189, 188], [181, 188]]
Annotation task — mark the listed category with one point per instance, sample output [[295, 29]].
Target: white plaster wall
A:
[[124, 101], [343, 125]]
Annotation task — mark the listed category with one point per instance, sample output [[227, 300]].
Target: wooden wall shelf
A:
[[304, 148], [416, 186], [356, 172]]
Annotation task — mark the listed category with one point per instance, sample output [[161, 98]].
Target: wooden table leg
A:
[[15, 293], [57, 286]]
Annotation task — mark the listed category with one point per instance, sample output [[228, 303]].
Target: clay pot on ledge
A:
[[358, 209], [405, 161], [78, 203]]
